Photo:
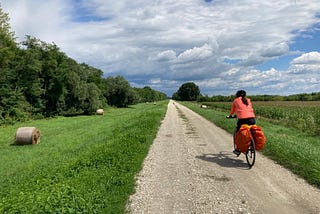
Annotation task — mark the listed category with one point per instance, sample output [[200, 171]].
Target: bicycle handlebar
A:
[[231, 116]]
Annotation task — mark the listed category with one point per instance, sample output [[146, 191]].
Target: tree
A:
[[188, 92], [118, 91], [55, 84], [8, 50], [7, 40], [13, 105], [175, 96]]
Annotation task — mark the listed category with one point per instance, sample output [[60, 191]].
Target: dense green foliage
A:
[[147, 94], [78, 168], [188, 91], [118, 91], [293, 148], [38, 80]]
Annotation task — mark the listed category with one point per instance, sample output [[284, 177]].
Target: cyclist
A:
[[242, 107]]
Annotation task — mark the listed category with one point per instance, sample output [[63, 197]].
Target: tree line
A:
[[38, 80], [314, 96], [189, 91]]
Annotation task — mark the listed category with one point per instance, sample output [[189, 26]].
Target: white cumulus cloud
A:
[[308, 58], [173, 42]]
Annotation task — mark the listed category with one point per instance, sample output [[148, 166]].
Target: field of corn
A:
[[301, 115]]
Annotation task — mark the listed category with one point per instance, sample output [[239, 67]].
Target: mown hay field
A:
[[83, 164]]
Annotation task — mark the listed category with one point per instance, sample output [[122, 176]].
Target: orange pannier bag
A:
[[243, 138], [259, 137]]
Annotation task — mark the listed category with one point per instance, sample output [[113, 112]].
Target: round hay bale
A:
[[100, 112], [27, 135]]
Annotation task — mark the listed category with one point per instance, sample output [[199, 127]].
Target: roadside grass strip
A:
[[84, 164]]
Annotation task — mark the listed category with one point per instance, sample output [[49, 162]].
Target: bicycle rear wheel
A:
[[251, 154]]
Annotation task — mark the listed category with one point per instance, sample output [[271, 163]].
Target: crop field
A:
[[302, 115], [83, 164]]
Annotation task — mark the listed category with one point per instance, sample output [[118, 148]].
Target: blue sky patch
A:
[[281, 63], [88, 18], [307, 41], [232, 61], [80, 13]]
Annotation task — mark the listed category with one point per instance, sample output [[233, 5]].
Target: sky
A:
[[263, 47]]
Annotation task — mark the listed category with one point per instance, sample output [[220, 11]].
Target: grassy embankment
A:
[[83, 164], [294, 146]]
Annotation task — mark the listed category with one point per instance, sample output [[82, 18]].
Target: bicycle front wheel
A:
[[251, 154]]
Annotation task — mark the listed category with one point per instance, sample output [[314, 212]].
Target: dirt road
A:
[[190, 168]]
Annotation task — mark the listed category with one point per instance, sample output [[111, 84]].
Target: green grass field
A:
[[87, 164], [296, 149], [83, 164]]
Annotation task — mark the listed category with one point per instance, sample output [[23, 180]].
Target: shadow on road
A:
[[224, 159]]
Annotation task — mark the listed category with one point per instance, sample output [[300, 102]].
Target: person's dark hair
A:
[[242, 94]]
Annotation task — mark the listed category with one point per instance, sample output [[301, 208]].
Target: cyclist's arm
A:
[[233, 108]]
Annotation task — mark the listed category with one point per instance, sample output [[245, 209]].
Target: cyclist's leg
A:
[[236, 151], [240, 122]]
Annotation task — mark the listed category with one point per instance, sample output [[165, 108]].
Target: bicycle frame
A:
[[251, 152]]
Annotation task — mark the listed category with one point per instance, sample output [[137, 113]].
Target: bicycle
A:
[[251, 152]]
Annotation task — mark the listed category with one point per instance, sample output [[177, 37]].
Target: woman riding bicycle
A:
[[242, 107]]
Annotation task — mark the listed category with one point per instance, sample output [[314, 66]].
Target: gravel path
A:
[[190, 168]]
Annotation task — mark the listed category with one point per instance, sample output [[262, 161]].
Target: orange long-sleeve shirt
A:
[[241, 110]]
